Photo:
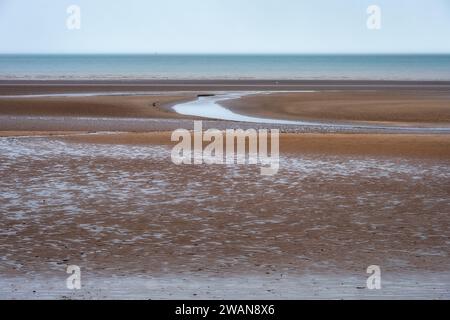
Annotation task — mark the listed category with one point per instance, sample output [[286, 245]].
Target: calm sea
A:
[[358, 67]]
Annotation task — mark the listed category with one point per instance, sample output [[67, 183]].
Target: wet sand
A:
[[382, 107], [140, 226], [425, 146], [148, 106], [369, 102], [124, 211], [248, 287], [11, 87]]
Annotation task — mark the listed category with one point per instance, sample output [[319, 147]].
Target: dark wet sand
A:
[[9, 87]]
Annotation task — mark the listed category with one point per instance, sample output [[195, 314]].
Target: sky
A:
[[224, 26]]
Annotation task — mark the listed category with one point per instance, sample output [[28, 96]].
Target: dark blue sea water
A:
[[358, 67]]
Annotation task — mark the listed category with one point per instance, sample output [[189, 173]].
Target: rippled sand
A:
[[126, 211]]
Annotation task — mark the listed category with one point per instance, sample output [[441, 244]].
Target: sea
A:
[[217, 66]]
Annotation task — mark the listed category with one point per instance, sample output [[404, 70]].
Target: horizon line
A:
[[225, 53]]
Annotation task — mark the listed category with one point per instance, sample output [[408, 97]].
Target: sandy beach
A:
[[216, 157], [88, 180], [358, 106], [155, 106]]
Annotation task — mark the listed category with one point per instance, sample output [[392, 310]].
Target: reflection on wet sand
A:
[[127, 210]]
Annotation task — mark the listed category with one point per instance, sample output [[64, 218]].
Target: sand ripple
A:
[[128, 210]]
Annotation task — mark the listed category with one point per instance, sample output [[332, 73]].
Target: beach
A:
[[218, 158], [87, 180]]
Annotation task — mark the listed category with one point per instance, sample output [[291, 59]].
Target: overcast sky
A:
[[225, 26]]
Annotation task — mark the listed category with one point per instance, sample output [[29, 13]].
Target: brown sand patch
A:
[[367, 106], [131, 138], [152, 106], [399, 145]]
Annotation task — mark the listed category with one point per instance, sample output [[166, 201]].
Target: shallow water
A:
[[209, 107], [322, 286], [216, 66]]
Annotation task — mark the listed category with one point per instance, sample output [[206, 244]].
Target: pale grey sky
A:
[[225, 26]]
